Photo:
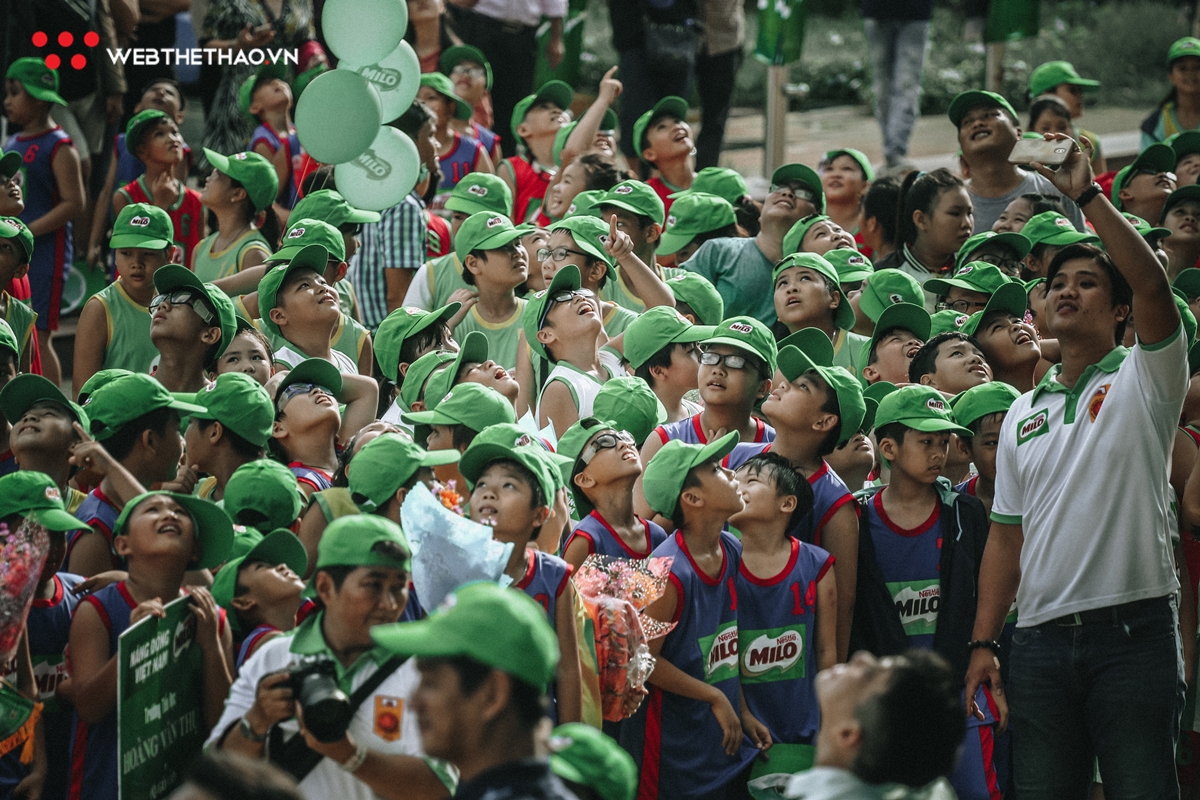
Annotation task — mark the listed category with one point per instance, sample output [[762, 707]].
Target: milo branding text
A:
[[773, 655], [377, 169], [720, 653], [1033, 426]]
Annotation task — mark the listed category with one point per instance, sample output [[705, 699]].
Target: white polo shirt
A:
[[1085, 473]]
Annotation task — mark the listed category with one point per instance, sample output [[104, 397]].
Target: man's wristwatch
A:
[[247, 730], [1089, 194], [355, 761]]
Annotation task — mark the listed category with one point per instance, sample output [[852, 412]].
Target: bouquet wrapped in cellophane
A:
[[615, 593]]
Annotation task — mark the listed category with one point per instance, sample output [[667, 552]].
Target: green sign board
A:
[[160, 702]]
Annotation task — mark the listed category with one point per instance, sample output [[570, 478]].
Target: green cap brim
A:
[[57, 520]]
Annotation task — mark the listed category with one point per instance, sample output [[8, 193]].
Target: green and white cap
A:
[[851, 266], [142, 225], [662, 482], [484, 230], [538, 305], [980, 401], [806, 175], [921, 408], [1052, 228], [1017, 241], [277, 547], [699, 293], [583, 755], [329, 206], [39, 80], [305, 231], [669, 106], [469, 404], [1055, 73], [946, 321], [1010, 298], [692, 214], [748, 335], [445, 87], [474, 349], [885, 287], [172, 277], [976, 276], [314, 257], [25, 391], [253, 171], [1145, 229], [1187, 46], [267, 72], [794, 238], [657, 328], [722, 182], [316, 371], [844, 316], [401, 324], [34, 494], [813, 342], [1190, 192], [905, 316], [583, 204], [1158, 157], [14, 228], [859, 157], [590, 234], [241, 404], [453, 56], [419, 373], [139, 124], [478, 192], [972, 99], [631, 405], [361, 540], [391, 461], [506, 441], [556, 92], [635, 197], [126, 398], [267, 488], [793, 363]]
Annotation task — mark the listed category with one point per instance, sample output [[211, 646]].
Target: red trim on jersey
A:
[[760, 430], [662, 434], [32, 136], [772, 581], [96, 604], [987, 746], [828, 565], [699, 572], [635, 555], [679, 600], [1194, 434], [833, 509], [78, 759], [699, 430], [896, 529], [563, 583], [530, 570], [970, 487], [652, 746], [125, 595], [591, 543], [41, 602]]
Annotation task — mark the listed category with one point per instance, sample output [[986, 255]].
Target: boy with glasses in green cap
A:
[[662, 348], [234, 430], [968, 289], [809, 295], [114, 326], [16, 251], [191, 324], [1002, 250], [921, 547], [513, 481], [495, 264], [662, 139]]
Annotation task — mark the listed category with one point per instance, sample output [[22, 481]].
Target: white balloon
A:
[[383, 175], [338, 116], [364, 30], [397, 78]]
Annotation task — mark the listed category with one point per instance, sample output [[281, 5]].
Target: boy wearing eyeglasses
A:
[[495, 263], [114, 326], [969, 289], [191, 325], [1004, 250]]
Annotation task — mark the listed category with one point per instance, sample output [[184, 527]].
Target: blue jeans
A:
[[898, 49], [1112, 692]]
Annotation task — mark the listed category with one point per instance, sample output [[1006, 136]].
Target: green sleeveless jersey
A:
[[503, 337], [210, 265], [445, 278], [617, 320], [129, 345], [347, 299], [847, 348], [21, 318]]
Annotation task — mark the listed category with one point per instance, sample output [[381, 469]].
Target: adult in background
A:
[[506, 32], [717, 62], [1095, 661], [898, 41]]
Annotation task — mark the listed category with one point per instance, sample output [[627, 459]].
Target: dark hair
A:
[[922, 694], [339, 572], [9, 361], [431, 336], [748, 214], [881, 203], [171, 82], [253, 518], [662, 358], [413, 119], [538, 497], [261, 337], [730, 231], [229, 776], [1121, 292], [1041, 203], [690, 481], [1048, 103], [925, 360], [526, 700], [892, 430], [461, 436], [468, 276], [921, 192], [319, 178], [601, 172], [787, 481], [976, 427], [121, 443], [241, 446], [830, 406]]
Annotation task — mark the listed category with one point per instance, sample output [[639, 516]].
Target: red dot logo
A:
[[40, 39], [53, 61], [78, 61], [91, 38], [65, 40]]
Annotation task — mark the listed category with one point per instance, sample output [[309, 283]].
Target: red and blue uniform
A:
[[289, 191], [8, 463], [247, 645], [604, 541], [318, 479], [545, 580], [53, 252], [830, 493], [486, 136], [680, 752], [690, 431], [531, 182], [456, 165], [101, 513], [776, 620]]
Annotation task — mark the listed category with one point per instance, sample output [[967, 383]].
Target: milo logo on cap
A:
[[670, 220], [1188, 46], [960, 320], [383, 77], [377, 169], [140, 222], [295, 233], [966, 270], [240, 157], [1063, 222], [896, 297], [1033, 426], [571, 209], [52, 493], [476, 189], [936, 404], [447, 397], [602, 238], [623, 189], [494, 221], [523, 440], [856, 261], [47, 78], [741, 327]]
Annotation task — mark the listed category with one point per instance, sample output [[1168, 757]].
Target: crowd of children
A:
[[801, 405]]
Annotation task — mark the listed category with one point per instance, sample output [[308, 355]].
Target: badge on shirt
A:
[[1097, 401], [388, 713], [1034, 425]]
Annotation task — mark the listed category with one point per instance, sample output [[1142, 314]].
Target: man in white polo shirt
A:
[[1080, 533]]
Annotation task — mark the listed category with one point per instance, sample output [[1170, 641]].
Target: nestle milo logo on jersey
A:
[[773, 655], [377, 169], [917, 603], [383, 77], [720, 653], [1034, 425]]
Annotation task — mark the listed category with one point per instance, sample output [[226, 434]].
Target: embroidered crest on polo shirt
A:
[[1097, 401]]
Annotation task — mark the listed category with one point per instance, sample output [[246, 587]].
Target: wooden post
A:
[[775, 146]]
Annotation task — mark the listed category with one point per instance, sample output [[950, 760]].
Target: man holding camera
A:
[[327, 704]]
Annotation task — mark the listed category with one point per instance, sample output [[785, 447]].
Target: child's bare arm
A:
[[569, 691], [643, 280], [524, 375], [93, 670], [557, 406], [758, 734], [91, 342], [216, 645], [91, 455], [243, 281], [312, 527], [580, 140], [361, 394], [119, 201], [366, 358], [827, 620], [483, 162], [577, 551], [68, 179], [840, 538]]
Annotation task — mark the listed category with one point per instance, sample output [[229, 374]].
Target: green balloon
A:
[[363, 30], [338, 116], [397, 78], [382, 175]]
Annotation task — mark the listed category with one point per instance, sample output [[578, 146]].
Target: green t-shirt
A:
[[617, 320], [847, 348], [445, 278]]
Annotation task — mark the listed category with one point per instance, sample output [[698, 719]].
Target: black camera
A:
[[327, 712]]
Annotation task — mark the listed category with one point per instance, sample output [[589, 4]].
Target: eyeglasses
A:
[[710, 359], [297, 389], [605, 441], [1154, 172], [474, 72], [562, 296], [961, 306], [185, 298], [559, 254], [1010, 265], [799, 190]]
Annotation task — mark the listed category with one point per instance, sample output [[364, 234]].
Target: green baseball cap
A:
[[479, 192], [806, 175], [859, 157], [305, 78], [313, 256], [34, 494], [631, 405], [571, 445], [591, 234], [500, 628], [471, 404], [98, 379], [1188, 280], [662, 481], [907, 316], [354, 541], [304, 232], [699, 293], [884, 287], [213, 530], [1055, 73], [253, 171], [139, 124], [329, 206], [400, 325], [1190, 192], [793, 363], [946, 321], [277, 547], [39, 80], [25, 391], [1187, 46], [1054, 229], [453, 56], [142, 225], [125, 399], [982, 400], [445, 87], [851, 266], [723, 182], [975, 276], [1158, 157], [13, 228], [484, 230], [172, 277], [607, 124], [844, 316], [657, 328], [267, 72], [1183, 143], [671, 105], [556, 92], [879, 390], [813, 342], [582, 205], [794, 238], [269, 489], [1145, 229], [581, 754], [241, 404], [512, 443], [419, 373], [1010, 298], [921, 408], [316, 371], [533, 317], [8, 340], [635, 197], [1017, 241], [474, 349], [386, 463], [692, 214], [749, 335], [973, 99]]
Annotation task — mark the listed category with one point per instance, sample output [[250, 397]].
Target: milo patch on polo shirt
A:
[[917, 603], [1033, 426], [720, 653], [777, 654]]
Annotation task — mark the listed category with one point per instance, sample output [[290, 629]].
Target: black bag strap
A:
[[294, 755]]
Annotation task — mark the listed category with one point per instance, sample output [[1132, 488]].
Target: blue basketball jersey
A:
[[604, 541], [690, 431], [545, 579], [8, 463], [456, 165], [910, 562], [318, 479], [288, 190], [99, 512], [776, 621], [830, 493]]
